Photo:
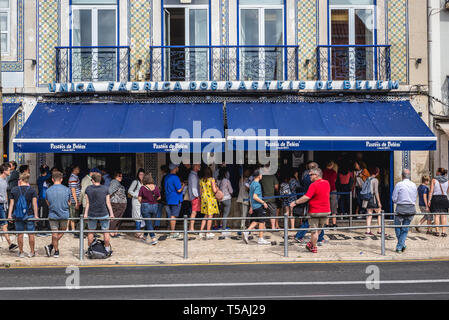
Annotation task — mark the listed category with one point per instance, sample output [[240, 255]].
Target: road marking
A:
[[314, 296], [236, 284], [3, 267]]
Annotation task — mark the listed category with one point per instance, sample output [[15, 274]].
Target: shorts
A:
[[271, 210], [2, 215], [318, 221], [22, 225], [196, 204], [74, 213], [58, 225], [259, 213], [428, 216], [173, 210], [104, 223]]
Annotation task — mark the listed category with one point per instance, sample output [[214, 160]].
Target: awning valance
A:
[[350, 126], [114, 128], [9, 111]]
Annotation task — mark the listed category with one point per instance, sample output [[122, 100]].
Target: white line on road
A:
[[237, 284]]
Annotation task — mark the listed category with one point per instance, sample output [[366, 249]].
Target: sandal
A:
[[444, 235], [436, 234]]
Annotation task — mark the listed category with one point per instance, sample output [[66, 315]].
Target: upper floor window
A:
[[186, 33], [94, 34], [262, 35], [4, 25], [352, 30]]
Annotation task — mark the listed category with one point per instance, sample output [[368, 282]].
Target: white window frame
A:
[[187, 8], [261, 13], [351, 12], [94, 16], [8, 31]]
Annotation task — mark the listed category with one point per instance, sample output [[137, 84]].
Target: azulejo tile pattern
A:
[[224, 10], [17, 66], [48, 38], [140, 28], [307, 39], [397, 36]]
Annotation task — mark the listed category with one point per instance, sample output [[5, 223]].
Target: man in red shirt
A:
[[319, 205]]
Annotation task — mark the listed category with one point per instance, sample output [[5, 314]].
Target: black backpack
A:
[[97, 250]]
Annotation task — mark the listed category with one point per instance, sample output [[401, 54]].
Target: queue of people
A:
[[202, 193]]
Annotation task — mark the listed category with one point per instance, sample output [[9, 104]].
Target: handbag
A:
[[219, 195]]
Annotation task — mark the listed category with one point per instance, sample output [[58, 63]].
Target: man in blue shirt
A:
[[58, 200], [258, 208], [173, 195]]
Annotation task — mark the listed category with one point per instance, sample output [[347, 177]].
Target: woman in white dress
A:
[[133, 192]]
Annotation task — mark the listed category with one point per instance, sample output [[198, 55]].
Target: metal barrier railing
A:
[[186, 232]]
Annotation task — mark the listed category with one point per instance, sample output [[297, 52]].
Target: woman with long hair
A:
[[133, 192], [373, 205], [438, 200], [225, 186], [209, 205], [148, 197]]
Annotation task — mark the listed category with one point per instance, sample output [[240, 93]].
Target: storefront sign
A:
[[223, 86]]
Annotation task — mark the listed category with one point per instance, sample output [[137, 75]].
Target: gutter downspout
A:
[[430, 82]]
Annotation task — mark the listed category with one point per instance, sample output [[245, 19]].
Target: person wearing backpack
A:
[[371, 199], [23, 208], [98, 209]]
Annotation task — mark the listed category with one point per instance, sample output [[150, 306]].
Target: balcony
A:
[[92, 64], [223, 63], [353, 62]]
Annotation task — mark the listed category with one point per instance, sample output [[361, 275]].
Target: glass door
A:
[[352, 26], [94, 29], [261, 30], [186, 26]]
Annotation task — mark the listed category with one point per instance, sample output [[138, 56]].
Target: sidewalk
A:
[[342, 246]]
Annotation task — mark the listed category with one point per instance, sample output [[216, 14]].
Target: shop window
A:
[[261, 25], [4, 26], [352, 24]]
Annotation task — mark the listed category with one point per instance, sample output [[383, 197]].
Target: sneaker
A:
[[210, 235], [12, 247], [263, 241], [403, 248], [245, 237], [56, 254], [398, 251], [320, 243], [300, 241], [311, 248], [48, 250], [21, 255], [202, 235], [31, 255], [153, 242], [175, 235]]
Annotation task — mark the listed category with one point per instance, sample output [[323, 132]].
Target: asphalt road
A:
[[394, 280]]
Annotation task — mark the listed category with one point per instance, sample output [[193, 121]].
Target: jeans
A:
[[401, 232], [157, 223], [305, 224], [226, 209], [149, 211]]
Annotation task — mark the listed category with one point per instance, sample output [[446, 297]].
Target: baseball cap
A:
[[172, 166]]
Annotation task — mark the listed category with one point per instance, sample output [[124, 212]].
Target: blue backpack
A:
[[21, 208]]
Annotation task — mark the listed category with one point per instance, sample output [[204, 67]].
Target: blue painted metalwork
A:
[[238, 39], [247, 65], [92, 63], [285, 40], [391, 178], [338, 68]]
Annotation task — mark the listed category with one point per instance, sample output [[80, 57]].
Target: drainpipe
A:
[[430, 82]]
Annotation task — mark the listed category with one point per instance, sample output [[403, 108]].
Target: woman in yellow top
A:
[[209, 204]]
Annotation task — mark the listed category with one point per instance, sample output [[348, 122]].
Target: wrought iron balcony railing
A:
[[353, 62], [222, 63], [92, 64]]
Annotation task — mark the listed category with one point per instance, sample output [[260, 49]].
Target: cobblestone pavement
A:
[[341, 246]]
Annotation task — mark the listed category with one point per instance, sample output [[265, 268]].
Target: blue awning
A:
[[350, 126], [9, 110], [114, 128]]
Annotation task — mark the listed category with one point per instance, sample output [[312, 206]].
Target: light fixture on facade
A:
[[185, 1]]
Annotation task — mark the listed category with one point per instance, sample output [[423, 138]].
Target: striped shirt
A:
[[74, 183]]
